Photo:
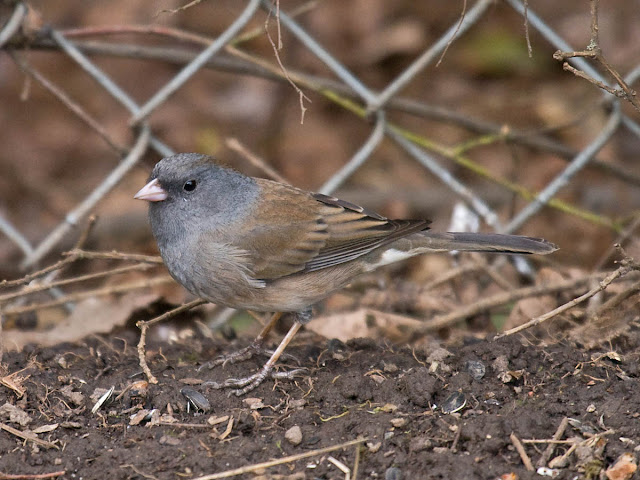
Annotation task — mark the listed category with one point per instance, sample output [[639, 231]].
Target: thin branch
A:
[[144, 327], [502, 298], [68, 281], [620, 272], [122, 288], [235, 145], [82, 114], [281, 461]]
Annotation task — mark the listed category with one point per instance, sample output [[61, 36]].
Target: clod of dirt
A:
[[419, 386], [355, 386]]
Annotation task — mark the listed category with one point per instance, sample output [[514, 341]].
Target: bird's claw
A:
[[242, 355], [246, 384]]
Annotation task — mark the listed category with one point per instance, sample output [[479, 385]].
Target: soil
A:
[[390, 396]]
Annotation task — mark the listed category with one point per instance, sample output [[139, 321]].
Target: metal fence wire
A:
[[384, 110]]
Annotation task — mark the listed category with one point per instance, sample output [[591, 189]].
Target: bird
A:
[[264, 246]]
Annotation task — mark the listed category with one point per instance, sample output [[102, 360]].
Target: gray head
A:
[[188, 192]]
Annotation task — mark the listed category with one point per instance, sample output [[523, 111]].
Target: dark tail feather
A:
[[485, 242]]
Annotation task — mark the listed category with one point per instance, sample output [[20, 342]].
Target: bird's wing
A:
[[355, 231], [286, 231], [296, 231]]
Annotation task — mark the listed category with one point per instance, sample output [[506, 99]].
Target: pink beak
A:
[[152, 192]]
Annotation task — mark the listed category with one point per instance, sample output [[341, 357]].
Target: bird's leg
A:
[[249, 351], [244, 385]]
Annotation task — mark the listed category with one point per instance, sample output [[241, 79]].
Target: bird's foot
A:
[[246, 384], [242, 355]]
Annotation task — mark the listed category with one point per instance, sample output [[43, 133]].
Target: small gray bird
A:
[[255, 244]]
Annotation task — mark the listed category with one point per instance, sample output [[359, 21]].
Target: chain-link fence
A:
[[385, 117]]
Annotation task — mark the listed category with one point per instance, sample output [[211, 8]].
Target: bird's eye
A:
[[189, 186]]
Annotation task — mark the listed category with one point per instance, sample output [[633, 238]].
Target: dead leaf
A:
[[90, 316], [364, 323]]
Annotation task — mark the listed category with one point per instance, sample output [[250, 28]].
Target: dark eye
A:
[[189, 186]]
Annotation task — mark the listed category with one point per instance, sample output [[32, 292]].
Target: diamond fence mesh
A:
[[524, 113]]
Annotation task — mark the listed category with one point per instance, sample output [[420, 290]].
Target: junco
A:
[[255, 244]]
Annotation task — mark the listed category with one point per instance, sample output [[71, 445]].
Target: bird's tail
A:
[[482, 242]]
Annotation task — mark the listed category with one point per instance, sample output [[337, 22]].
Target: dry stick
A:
[[26, 476], [281, 461], [546, 441], [617, 299], [561, 460], [623, 270], [67, 281], [113, 255], [594, 51], [546, 455], [67, 101], [356, 463], [77, 254], [621, 240], [502, 298], [144, 326], [32, 276], [523, 454], [454, 34], [82, 238], [31, 437], [138, 471], [235, 145], [276, 53], [124, 288]]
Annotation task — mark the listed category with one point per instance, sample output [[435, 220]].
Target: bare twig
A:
[[546, 455], [521, 451], [144, 327], [502, 298], [81, 113], [78, 254], [235, 145], [31, 476], [122, 288], [620, 272], [68, 281], [292, 458], [594, 51], [276, 52], [31, 437]]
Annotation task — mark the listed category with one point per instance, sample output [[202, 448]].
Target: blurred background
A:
[[490, 105]]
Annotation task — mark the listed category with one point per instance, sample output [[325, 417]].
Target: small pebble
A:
[[398, 422], [393, 473], [294, 435], [374, 447], [390, 367], [298, 403], [476, 369], [253, 403]]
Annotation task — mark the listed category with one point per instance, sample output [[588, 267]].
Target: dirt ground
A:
[[390, 397], [394, 402]]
